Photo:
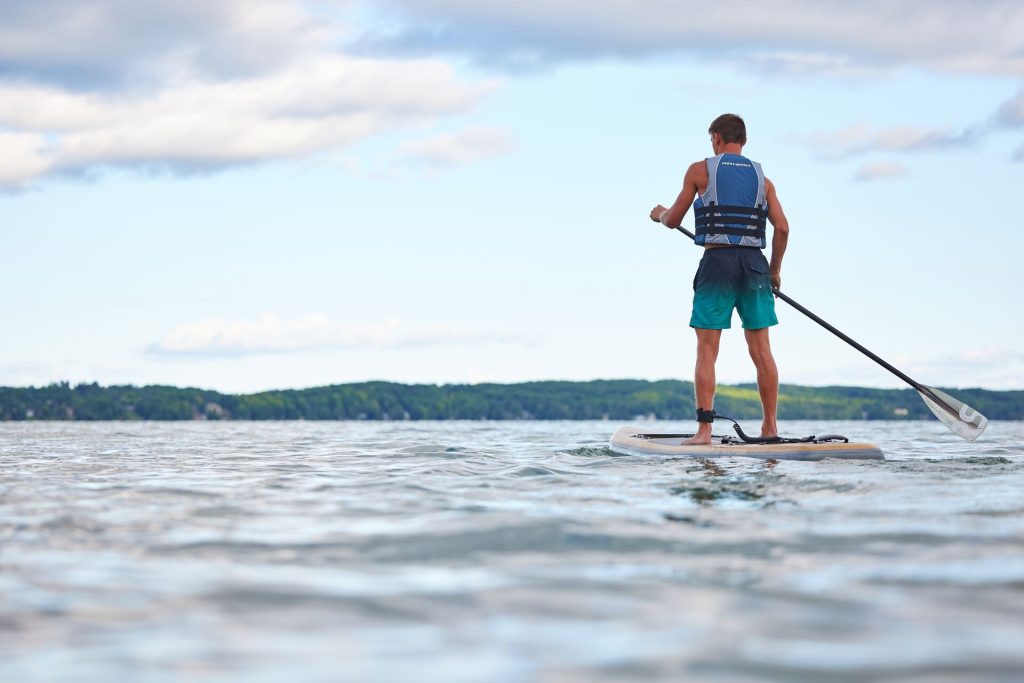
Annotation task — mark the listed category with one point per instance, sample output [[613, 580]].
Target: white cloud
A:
[[988, 367], [880, 170], [103, 44], [275, 89], [311, 332], [327, 103], [1011, 113], [864, 138], [455, 149], [198, 85], [991, 367], [24, 156], [977, 36], [793, 63]]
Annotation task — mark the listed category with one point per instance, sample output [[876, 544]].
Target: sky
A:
[[253, 194]]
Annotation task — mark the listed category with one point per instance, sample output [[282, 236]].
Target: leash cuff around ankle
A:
[[705, 415]]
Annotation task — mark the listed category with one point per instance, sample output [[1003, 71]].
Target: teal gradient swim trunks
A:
[[728, 278]]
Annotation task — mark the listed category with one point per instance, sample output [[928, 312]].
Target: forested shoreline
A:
[[549, 400]]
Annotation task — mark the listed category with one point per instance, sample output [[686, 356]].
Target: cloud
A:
[[329, 102], [989, 367], [456, 149], [104, 44], [976, 36], [992, 367], [880, 170], [202, 85], [217, 85], [24, 156], [312, 332], [1011, 113], [865, 138]]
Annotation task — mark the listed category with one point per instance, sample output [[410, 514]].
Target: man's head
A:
[[727, 129]]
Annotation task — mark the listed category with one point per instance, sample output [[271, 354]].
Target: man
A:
[[733, 199]]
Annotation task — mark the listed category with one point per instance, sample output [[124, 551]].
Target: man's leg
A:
[[704, 380], [767, 378]]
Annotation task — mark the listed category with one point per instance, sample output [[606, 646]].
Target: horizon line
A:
[[492, 383]]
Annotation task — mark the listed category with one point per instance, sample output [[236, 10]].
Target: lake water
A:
[[503, 551]]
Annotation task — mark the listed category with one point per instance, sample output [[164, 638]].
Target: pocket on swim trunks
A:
[[699, 276], [757, 277]]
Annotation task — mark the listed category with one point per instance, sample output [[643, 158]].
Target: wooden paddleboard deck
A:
[[631, 440]]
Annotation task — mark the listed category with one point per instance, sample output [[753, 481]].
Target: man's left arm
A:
[[780, 234]]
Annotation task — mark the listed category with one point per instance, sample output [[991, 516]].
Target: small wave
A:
[[985, 460], [706, 494], [72, 523], [591, 452], [529, 471], [176, 491], [1019, 512], [225, 511], [688, 519]]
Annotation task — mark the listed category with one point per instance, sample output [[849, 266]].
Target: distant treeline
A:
[[596, 400]]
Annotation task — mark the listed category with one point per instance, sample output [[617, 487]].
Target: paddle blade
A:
[[962, 420]]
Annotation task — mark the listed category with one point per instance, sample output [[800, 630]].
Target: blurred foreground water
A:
[[503, 551]]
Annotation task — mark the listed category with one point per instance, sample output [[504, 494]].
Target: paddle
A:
[[961, 419]]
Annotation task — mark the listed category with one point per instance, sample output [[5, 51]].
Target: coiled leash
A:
[[709, 416]]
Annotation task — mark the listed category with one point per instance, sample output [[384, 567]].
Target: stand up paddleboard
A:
[[632, 440]]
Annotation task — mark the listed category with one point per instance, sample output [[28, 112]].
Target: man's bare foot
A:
[[701, 438]]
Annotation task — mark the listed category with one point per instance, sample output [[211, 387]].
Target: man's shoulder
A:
[[700, 166]]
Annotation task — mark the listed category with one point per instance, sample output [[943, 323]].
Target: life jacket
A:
[[734, 207]]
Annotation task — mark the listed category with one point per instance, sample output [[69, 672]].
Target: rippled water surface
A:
[[516, 551]]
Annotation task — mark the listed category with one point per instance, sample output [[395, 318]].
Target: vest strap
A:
[[722, 230], [727, 208], [712, 220], [728, 220]]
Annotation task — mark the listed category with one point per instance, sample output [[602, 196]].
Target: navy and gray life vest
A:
[[733, 209]]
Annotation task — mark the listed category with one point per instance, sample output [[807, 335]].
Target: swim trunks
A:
[[728, 278]]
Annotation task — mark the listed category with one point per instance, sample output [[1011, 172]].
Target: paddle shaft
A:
[[852, 342], [860, 347]]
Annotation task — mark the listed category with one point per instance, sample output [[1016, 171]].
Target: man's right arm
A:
[[672, 217], [780, 234]]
